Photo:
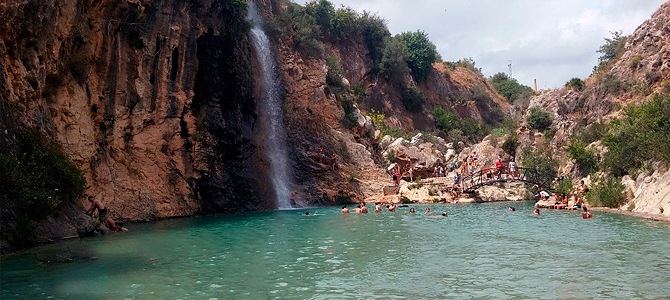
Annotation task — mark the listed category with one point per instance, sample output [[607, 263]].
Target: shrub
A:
[[643, 134], [510, 144], [585, 159], [344, 24], [412, 99], [607, 191], [565, 186], [445, 120], [576, 83], [636, 62], [375, 33], [405, 200], [334, 75], [467, 63], [421, 53], [594, 132], [393, 65], [612, 49], [541, 160], [34, 182], [610, 84], [538, 118], [510, 88]]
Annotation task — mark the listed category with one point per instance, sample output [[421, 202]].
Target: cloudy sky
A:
[[550, 40]]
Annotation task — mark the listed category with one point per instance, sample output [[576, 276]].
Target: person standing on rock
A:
[[333, 160], [411, 171]]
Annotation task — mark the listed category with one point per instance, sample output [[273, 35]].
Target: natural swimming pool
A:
[[479, 251]]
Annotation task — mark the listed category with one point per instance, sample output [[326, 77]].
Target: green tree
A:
[[607, 191], [375, 33], [445, 120], [413, 99], [322, 11], [344, 24], [510, 88], [612, 48], [421, 53], [576, 83], [510, 144], [538, 118], [393, 65], [585, 159]]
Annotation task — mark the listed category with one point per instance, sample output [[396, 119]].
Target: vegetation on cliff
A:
[[36, 178]]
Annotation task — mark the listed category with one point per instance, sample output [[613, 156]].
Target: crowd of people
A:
[[362, 209]]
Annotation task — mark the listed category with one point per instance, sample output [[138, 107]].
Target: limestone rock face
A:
[[510, 191], [154, 100], [650, 191]]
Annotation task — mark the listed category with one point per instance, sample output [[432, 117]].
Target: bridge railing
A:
[[489, 176]]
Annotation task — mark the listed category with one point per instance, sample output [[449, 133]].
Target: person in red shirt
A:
[[499, 166]]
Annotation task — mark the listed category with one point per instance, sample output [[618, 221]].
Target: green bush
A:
[[322, 11], [607, 191], [412, 99], [610, 84], [34, 182], [611, 50], [334, 75], [594, 132], [445, 120], [585, 159], [422, 53], [565, 186], [510, 145], [393, 65], [541, 160], [643, 134], [375, 33], [576, 83], [344, 24], [538, 118], [510, 88], [636, 62]]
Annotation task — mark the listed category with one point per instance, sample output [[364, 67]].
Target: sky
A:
[[549, 40]]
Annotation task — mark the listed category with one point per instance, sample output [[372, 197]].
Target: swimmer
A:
[[364, 208], [306, 213], [378, 207], [392, 207], [586, 214], [345, 210], [511, 208], [536, 212], [411, 210], [444, 214], [427, 210]]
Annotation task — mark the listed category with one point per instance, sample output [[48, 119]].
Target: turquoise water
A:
[[479, 251]]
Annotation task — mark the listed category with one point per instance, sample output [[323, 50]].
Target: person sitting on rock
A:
[[102, 215]]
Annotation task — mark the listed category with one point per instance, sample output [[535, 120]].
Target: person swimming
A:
[[511, 208], [411, 210], [345, 210], [427, 210], [378, 207], [586, 214], [444, 214], [536, 211], [364, 208]]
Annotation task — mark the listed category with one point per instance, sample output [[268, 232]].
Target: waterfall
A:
[[271, 110]]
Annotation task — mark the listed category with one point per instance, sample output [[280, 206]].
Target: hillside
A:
[[614, 124], [154, 108]]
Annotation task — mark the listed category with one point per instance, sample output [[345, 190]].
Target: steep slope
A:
[[641, 73]]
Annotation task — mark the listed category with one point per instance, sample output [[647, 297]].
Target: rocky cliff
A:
[[156, 101], [635, 76]]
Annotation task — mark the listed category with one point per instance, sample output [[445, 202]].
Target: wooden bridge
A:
[[490, 176]]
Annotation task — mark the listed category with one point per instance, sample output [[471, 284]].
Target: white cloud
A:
[[551, 40]]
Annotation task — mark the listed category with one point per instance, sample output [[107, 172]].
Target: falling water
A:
[[271, 110]]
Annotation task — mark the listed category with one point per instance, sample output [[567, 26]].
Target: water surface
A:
[[479, 251]]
